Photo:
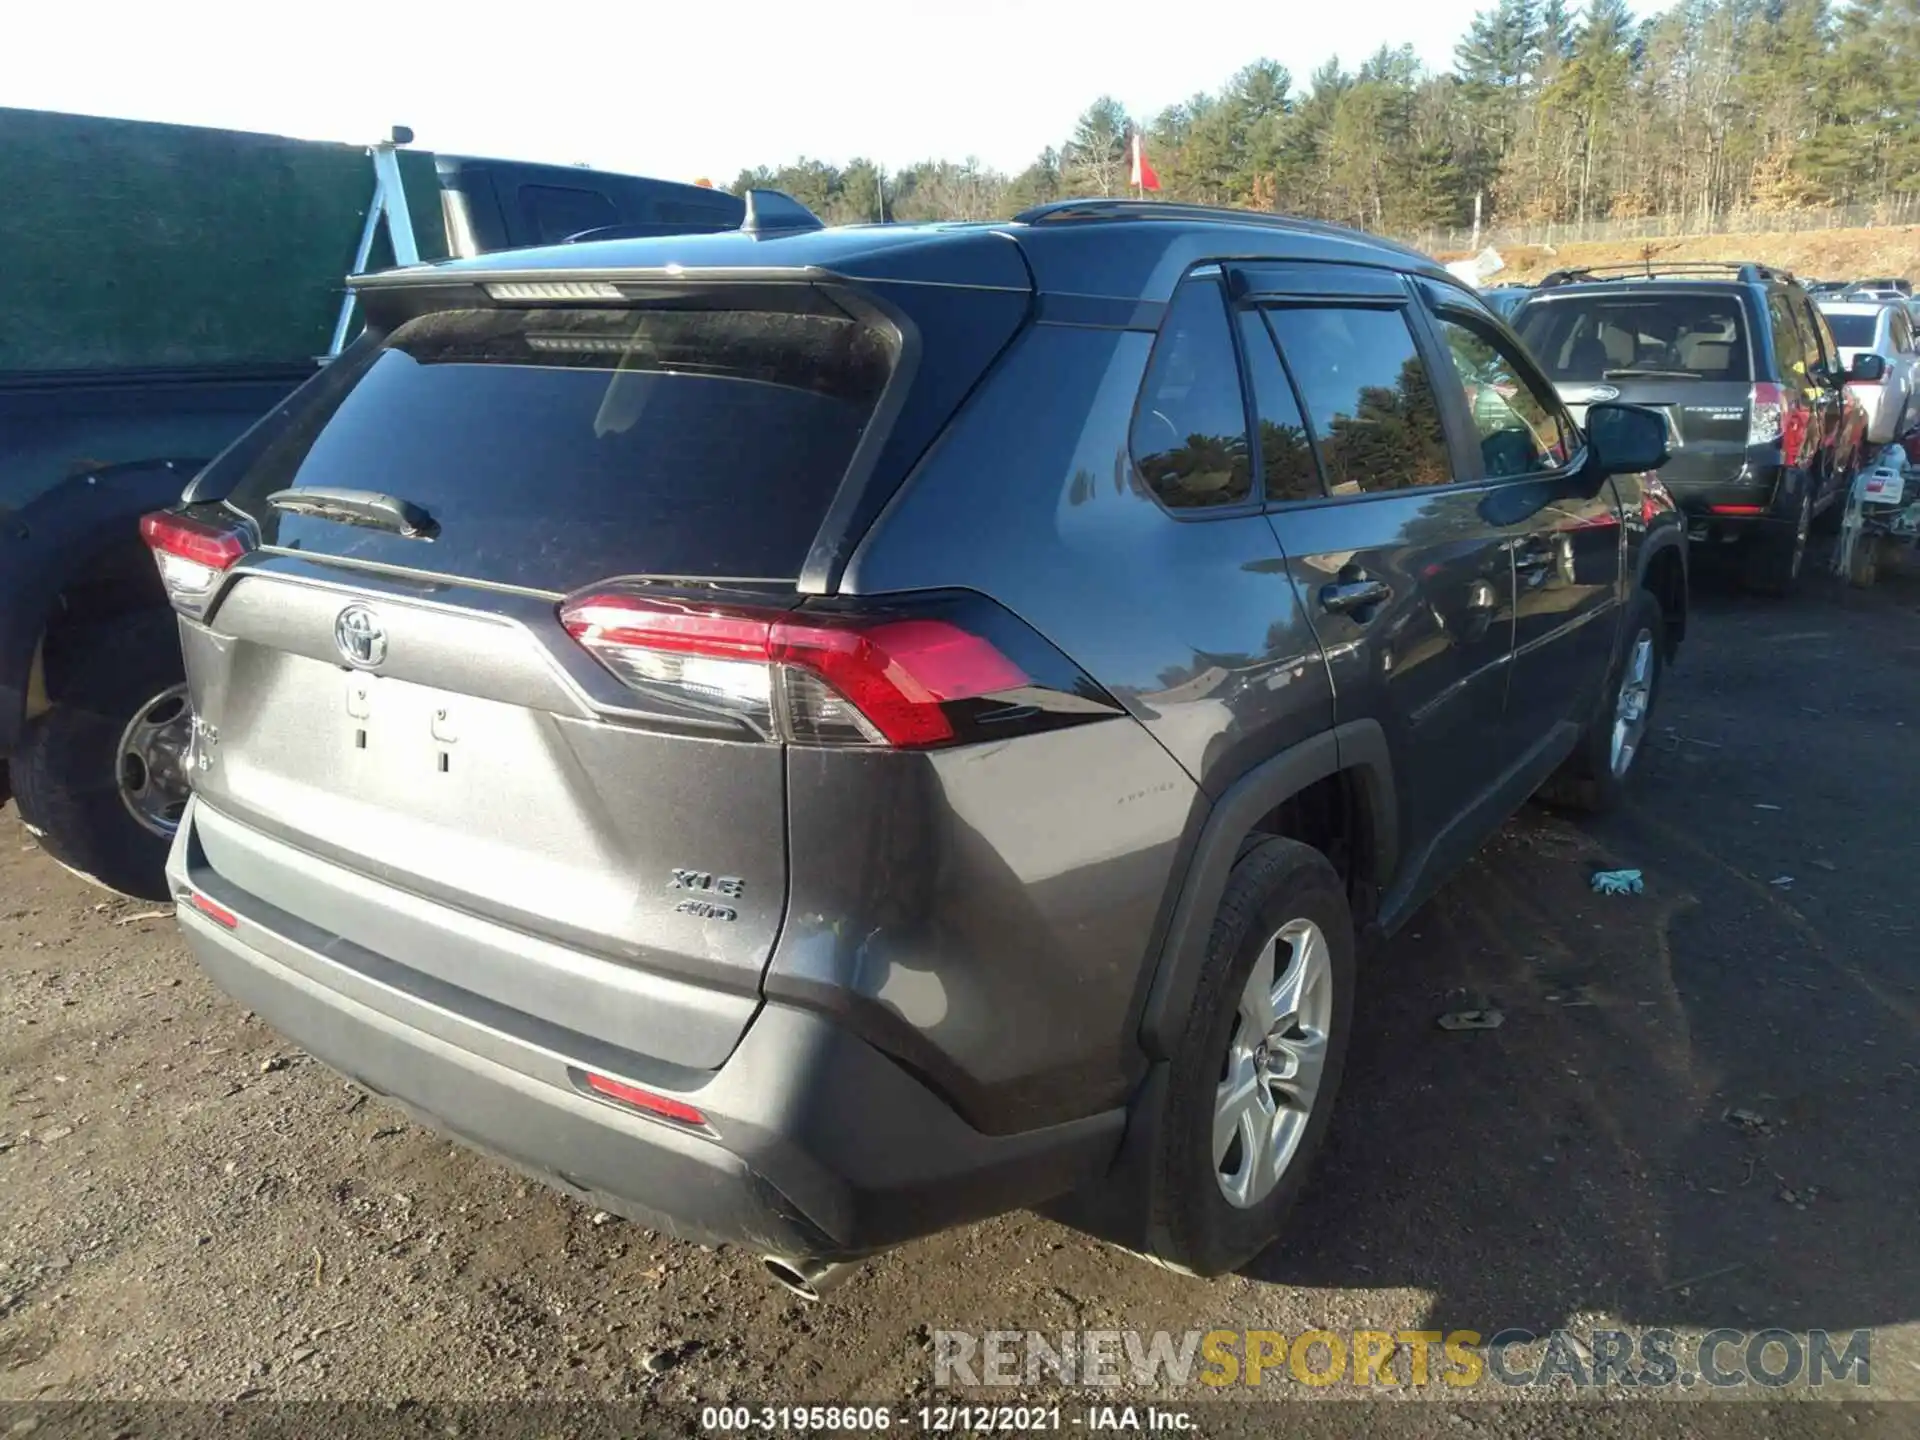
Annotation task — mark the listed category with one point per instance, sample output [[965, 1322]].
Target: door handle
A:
[[1349, 595]]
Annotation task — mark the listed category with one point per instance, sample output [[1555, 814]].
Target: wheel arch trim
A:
[[1358, 747]]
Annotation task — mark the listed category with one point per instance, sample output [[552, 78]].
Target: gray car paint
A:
[[987, 922]]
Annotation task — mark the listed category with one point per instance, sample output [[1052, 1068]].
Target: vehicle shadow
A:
[[1699, 1109]]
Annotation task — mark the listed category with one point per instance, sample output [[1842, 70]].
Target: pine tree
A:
[[1704, 107], [1556, 33], [1096, 158]]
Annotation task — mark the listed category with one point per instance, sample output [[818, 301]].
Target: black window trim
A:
[[1443, 308], [1214, 272], [1257, 308], [1462, 457]]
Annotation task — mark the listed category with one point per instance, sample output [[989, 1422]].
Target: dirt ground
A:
[[1814, 254], [1700, 1111]]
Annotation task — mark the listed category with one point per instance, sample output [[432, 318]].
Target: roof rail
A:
[[1744, 270], [774, 212], [1093, 208]]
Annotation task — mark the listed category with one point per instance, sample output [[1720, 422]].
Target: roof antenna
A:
[[774, 212]]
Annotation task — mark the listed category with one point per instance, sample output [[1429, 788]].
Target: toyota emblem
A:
[[361, 637]]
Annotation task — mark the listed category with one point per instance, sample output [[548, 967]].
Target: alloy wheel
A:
[[1276, 1054]]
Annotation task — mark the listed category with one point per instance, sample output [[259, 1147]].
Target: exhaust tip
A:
[[811, 1280]]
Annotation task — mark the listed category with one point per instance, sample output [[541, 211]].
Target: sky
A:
[[683, 91]]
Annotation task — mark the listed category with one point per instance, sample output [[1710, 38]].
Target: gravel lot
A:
[[190, 1209]]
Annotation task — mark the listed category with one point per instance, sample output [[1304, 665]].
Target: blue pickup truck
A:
[[163, 288]]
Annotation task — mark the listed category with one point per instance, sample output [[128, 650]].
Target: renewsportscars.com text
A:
[[1612, 1359]]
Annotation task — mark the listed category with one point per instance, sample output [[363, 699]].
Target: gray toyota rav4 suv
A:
[[806, 737]]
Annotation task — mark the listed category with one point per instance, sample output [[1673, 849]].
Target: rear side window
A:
[[1367, 396], [1823, 350], [1190, 430], [558, 447], [1789, 345], [1518, 430], [1583, 339], [1852, 332]]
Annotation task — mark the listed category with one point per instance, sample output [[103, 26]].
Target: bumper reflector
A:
[[213, 910], [646, 1100]]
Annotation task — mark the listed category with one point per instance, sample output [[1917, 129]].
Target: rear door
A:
[[1687, 352], [1408, 582], [410, 712]]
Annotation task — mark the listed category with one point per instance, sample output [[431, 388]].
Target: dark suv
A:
[[808, 737], [1740, 361]]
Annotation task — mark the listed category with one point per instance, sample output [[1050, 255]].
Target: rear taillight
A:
[[1775, 412], [192, 554], [1766, 408], [933, 675]]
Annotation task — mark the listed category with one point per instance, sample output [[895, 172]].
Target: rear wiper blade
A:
[[359, 507], [1651, 374]]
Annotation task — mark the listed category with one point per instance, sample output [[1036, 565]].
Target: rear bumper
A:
[[1747, 499], [817, 1145]]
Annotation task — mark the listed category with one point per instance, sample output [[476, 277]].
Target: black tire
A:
[[1588, 782], [65, 770], [1192, 1226], [1863, 566], [1772, 559]]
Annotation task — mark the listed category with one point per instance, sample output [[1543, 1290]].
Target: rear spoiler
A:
[[769, 212]]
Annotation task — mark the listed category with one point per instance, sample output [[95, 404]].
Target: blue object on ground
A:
[[1617, 882]]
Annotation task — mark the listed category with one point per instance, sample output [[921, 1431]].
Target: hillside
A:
[[1812, 255]]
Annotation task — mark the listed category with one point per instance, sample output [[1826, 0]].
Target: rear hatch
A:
[[1686, 352], [432, 751]]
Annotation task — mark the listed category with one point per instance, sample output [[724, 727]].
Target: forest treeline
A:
[[1551, 112]]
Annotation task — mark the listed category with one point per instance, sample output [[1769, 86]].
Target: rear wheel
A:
[[1252, 1085], [1771, 564], [101, 777]]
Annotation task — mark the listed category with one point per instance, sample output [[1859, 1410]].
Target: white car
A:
[[1883, 328]]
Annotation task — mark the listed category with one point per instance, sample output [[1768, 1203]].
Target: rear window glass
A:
[[558, 212], [1589, 338], [558, 447], [1853, 332]]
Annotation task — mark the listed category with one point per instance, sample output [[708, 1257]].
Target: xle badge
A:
[[730, 887]]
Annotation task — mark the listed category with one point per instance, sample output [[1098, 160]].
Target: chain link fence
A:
[[1894, 210]]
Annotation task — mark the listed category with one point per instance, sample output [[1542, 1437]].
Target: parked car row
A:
[[1769, 413]]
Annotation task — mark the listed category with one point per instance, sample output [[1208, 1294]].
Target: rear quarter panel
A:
[[1194, 626]]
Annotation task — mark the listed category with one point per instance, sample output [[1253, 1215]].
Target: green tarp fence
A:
[[133, 245]]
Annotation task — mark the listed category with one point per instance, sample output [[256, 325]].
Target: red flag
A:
[[1143, 176]]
